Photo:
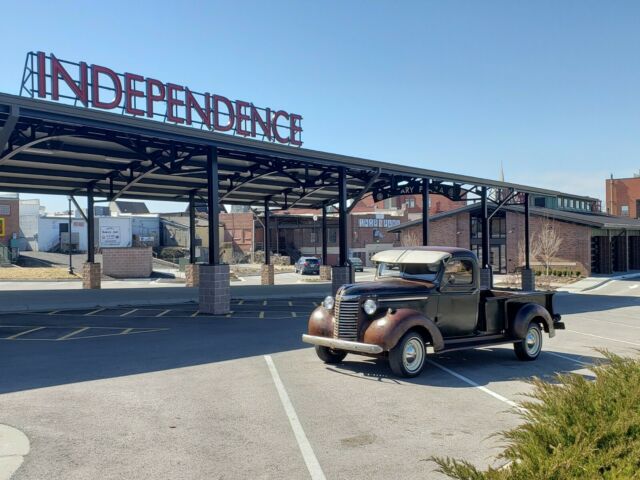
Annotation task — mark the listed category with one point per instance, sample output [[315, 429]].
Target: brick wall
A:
[[10, 213], [575, 246], [452, 231], [622, 192], [238, 230], [127, 262]]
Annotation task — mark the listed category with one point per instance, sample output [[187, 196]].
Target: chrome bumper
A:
[[342, 344]]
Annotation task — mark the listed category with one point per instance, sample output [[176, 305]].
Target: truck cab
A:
[[427, 296]]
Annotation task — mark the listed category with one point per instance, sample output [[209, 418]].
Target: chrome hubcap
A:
[[532, 341], [413, 355]]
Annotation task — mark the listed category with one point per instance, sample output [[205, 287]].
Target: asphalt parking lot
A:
[[168, 392]]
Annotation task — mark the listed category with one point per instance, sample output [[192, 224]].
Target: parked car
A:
[[357, 264], [427, 296], [308, 265]]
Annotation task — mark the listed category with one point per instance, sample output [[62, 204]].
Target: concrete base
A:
[[340, 276], [486, 279], [91, 276], [268, 275], [325, 272], [192, 275], [215, 289], [528, 280]]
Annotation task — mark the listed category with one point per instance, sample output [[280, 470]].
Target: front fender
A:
[[524, 316], [386, 331], [321, 322]]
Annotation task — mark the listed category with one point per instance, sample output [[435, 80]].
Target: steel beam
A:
[[267, 243], [9, 126], [90, 226], [485, 230], [192, 228], [324, 236], [425, 211], [213, 206], [343, 246], [527, 246]]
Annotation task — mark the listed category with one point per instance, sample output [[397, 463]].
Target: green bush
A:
[[577, 428]]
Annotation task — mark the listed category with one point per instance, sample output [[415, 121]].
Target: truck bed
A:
[[497, 306]]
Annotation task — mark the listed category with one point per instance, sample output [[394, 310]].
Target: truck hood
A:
[[388, 287]]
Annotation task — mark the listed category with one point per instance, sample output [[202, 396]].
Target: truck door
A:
[[458, 300]]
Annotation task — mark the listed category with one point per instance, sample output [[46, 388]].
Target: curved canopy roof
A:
[[53, 148]]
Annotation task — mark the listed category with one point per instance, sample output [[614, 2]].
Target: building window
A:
[[539, 202], [476, 227], [624, 210], [313, 237], [411, 202], [333, 235], [498, 227]]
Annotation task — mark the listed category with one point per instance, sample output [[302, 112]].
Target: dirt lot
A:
[[36, 273]]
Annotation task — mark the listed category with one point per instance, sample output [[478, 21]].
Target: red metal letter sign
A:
[[96, 71], [217, 99]]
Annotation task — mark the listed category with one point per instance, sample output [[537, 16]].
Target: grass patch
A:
[[574, 429], [34, 273]]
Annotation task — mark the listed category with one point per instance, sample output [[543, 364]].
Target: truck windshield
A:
[[413, 271]]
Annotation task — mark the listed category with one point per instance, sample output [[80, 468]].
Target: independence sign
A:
[[96, 86]]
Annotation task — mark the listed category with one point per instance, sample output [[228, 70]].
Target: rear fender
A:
[[387, 331], [525, 314]]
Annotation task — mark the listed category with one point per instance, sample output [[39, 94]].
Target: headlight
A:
[[328, 302], [370, 306]]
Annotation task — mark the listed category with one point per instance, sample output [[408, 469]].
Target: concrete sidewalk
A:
[[12, 301], [590, 283]]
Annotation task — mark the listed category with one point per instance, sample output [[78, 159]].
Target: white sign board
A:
[[109, 236], [378, 222]]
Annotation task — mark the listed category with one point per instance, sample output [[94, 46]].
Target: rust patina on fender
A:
[[386, 331], [321, 323]]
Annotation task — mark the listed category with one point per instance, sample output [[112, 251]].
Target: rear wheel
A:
[[408, 357], [329, 355], [530, 346]]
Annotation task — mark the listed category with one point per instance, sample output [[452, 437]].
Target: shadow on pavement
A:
[[581, 303]]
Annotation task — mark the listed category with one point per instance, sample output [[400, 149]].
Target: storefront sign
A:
[[100, 87], [109, 236], [378, 222]]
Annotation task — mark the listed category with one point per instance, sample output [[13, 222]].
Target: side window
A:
[[459, 272]]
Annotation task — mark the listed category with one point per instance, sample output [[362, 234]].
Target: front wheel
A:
[[408, 357], [329, 355], [530, 346]]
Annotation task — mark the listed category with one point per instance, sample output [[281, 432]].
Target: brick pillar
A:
[[528, 280], [215, 289], [325, 272], [486, 279], [268, 275], [91, 276], [340, 276], [192, 275]]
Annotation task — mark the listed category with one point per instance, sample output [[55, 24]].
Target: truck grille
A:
[[346, 315]]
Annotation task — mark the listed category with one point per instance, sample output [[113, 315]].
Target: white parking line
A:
[[567, 358], [93, 312], [303, 443], [163, 313], [604, 338], [74, 333], [475, 385], [13, 337], [129, 312]]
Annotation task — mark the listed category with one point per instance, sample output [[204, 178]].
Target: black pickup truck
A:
[[427, 296]]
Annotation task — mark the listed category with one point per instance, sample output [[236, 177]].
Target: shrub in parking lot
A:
[[575, 428]]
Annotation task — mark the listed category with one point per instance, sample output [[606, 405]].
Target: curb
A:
[[14, 446], [604, 282]]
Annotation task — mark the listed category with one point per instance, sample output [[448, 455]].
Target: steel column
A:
[[425, 211], [192, 227], [90, 226], [213, 206], [69, 244], [267, 246], [485, 230], [527, 246], [342, 212], [324, 236]]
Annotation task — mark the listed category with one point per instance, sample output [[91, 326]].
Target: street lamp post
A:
[[69, 241], [315, 236]]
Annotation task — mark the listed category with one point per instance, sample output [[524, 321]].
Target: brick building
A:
[[592, 242], [9, 225], [623, 196]]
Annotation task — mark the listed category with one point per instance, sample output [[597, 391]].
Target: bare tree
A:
[[534, 249], [549, 243], [410, 238]]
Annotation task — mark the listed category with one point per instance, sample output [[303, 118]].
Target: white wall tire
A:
[[408, 357], [529, 348]]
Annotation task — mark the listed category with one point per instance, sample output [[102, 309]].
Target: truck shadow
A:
[[480, 366], [569, 303]]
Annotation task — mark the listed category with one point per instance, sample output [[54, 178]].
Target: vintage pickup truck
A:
[[427, 296]]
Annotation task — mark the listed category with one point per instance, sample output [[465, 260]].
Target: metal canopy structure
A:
[[53, 148]]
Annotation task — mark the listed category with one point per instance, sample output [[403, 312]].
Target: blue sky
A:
[[550, 89]]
